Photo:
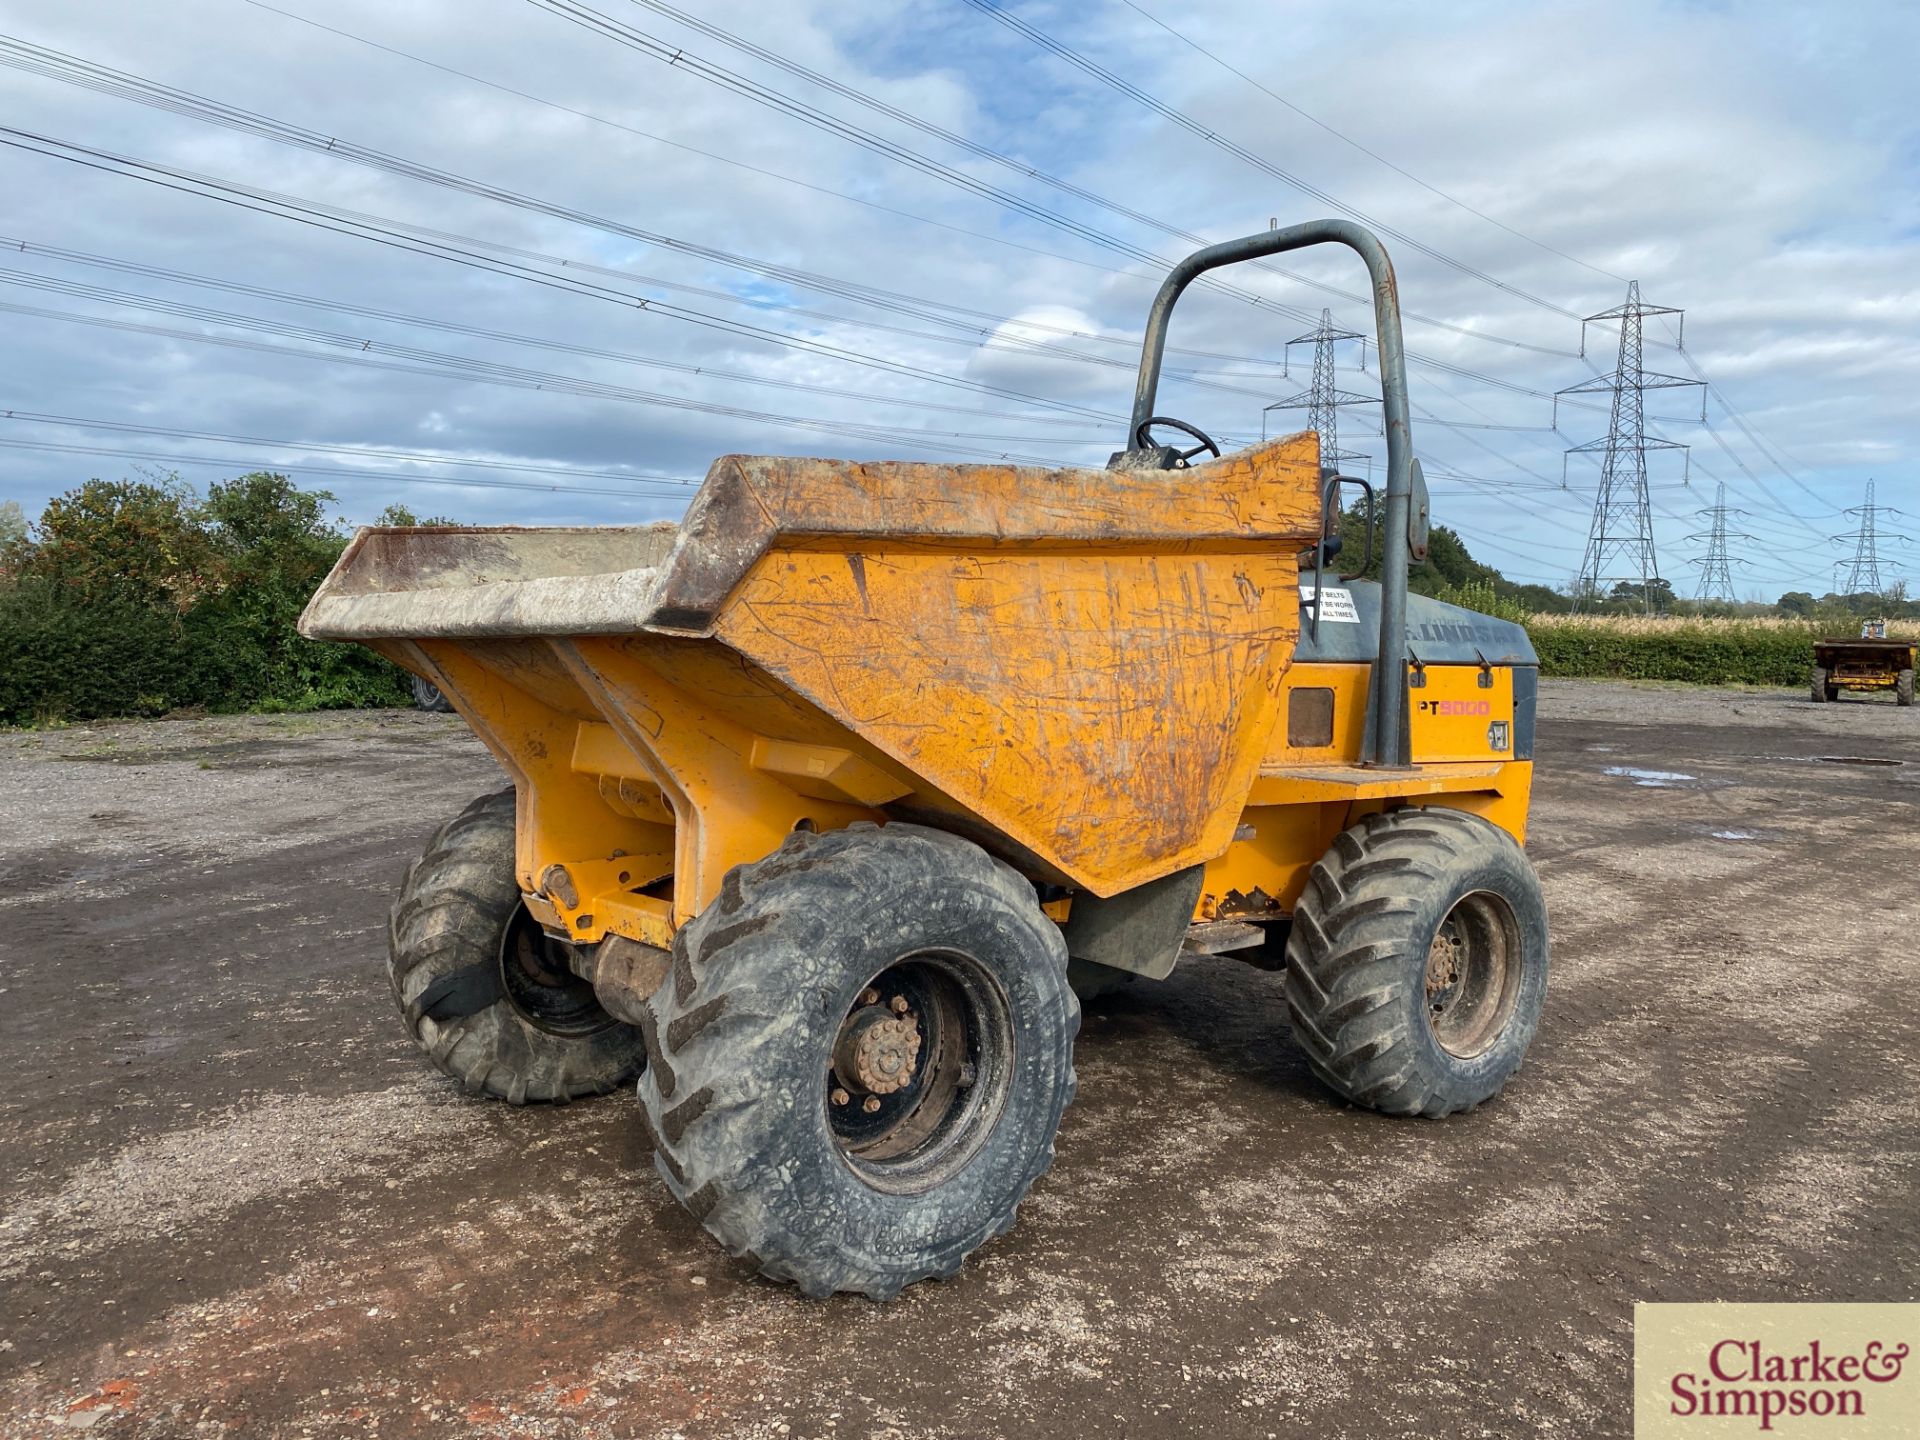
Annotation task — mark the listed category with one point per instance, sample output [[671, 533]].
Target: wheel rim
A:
[[540, 985], [1473, 974], [920, 1071]]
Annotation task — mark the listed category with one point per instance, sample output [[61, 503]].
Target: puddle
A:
[[1600, 749], [1734, 834], [1856, 760], [1652, 779]]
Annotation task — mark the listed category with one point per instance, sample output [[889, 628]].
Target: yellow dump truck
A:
[[816, 795]]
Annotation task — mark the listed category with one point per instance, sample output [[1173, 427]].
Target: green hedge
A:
[[135, 597], [62, 660], [1725, 654]]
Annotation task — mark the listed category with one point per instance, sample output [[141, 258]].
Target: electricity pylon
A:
[[1322, 398], [1620, 539], [1716, 566], [1863, 572]]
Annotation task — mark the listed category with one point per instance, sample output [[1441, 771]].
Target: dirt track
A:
[[235, 1202]]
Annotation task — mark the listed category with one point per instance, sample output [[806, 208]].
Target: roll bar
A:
[[1387, 744]]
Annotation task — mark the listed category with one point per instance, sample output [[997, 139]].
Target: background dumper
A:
[[815, 794], [1871, 662]]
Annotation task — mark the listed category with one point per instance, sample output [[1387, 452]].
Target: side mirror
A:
[[1419, 515]]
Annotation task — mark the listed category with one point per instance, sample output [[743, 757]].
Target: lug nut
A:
[[840, 1097], [870, 996], [898, 1005], [871, 1104]]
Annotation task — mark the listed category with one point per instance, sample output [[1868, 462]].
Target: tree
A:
[[398, 514], [1656, 595], [267, 531], [138, 540], [1796, 602]]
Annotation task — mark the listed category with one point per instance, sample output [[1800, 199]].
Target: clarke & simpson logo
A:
[[1839, 1371]]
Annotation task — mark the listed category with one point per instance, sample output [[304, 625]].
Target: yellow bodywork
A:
[[1089, 672]]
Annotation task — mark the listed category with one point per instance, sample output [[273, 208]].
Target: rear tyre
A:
[[1903, 688], [427, 696], [486, 994], [1820, 693], [860, 1058], [1417, 966]]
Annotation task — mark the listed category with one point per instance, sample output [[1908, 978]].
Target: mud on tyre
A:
[[488, 997], [1417, 965], [860, 1057]]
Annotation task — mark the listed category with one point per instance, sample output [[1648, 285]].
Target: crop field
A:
[[237, 1202]]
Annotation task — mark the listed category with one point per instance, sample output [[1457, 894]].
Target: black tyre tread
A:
[[428, 696], [1347, 953], [1903, 687], [1821, 694], [716, 1007], [451, 912]]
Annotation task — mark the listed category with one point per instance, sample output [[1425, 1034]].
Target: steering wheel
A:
[[1143, 440]]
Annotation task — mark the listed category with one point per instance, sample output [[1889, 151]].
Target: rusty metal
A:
[[557, 884], [1216, 937], [878, 1052], [1864, 663], [1443, 965], [624, 973]]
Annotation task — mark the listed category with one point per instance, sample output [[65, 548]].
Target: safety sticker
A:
[[1335, 604]]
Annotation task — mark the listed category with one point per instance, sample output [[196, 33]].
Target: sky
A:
[[540, 261]]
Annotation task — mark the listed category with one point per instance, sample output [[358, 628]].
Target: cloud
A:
[[1756, 167]]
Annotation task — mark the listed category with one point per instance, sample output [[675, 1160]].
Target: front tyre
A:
[[858, 1062], [1417, 966], [489, 998]]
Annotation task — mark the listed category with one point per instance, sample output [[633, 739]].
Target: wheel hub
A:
[[540, 985], [919, 1070], [878, 1050], [1443, 972], [1473, 974]]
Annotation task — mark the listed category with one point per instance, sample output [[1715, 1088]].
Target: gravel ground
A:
[[233, 1201]]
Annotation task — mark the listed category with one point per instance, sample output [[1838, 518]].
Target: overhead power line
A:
[[35, 280], [680, 59], [468, 251], [167, 457], [1347, 139], [423, 241], [712, 155], [1248, 157], [54, 64], [356, 351], [679, 483]]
